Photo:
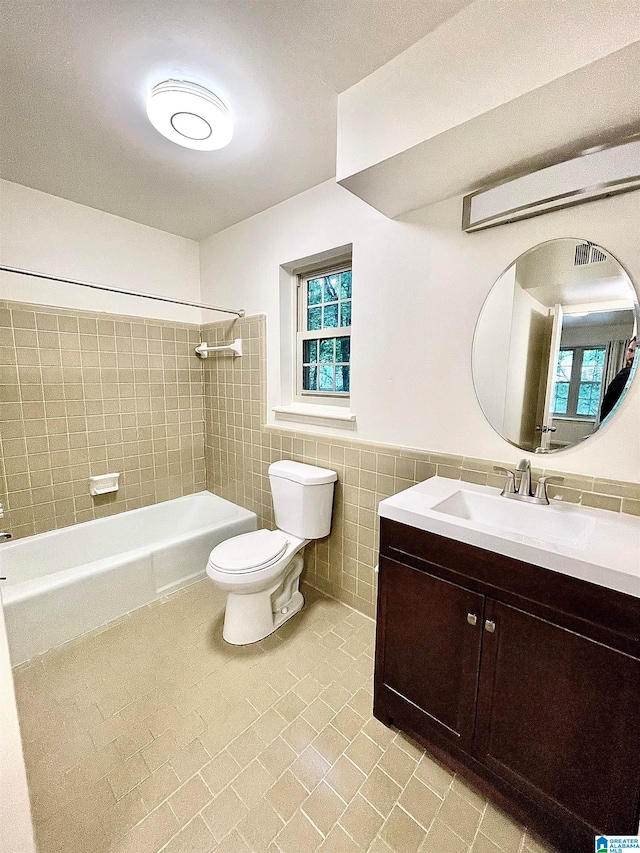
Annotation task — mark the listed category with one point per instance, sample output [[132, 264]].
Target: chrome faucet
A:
[[524, 468], [3, 536], [523, 492], [510, 483]]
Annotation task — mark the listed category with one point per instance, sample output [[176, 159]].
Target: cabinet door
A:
[[559, 717], [430, 650]]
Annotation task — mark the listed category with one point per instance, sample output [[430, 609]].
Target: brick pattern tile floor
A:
[[151, 734]]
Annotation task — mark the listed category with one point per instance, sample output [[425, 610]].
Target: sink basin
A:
[[543, 523], [591, 544]]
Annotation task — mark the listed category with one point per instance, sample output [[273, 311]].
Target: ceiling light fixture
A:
[[189, 115]]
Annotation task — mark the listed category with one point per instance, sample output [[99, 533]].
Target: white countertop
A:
[[16, 831], [609, 554]]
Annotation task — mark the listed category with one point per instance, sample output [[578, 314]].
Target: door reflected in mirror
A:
[[554, 350]]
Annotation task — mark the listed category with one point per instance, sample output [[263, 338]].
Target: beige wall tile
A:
[[601, 501], [86, 393], [74, 373], [631, 506]]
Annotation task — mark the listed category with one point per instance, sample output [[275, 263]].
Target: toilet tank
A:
[[302, 498]]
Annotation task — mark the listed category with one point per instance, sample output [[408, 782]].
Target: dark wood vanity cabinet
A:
[[525, 680], [430, 658]]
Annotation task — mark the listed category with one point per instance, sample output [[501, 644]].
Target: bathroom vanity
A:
[[516, 660]]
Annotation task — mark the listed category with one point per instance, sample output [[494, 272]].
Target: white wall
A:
[[581, 336], [490, 53], [48, 234], [419, 284]]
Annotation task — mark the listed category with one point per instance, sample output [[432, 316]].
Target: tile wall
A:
[[239, 450], [84, 393]]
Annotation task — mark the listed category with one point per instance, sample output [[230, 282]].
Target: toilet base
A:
[[251, 617]]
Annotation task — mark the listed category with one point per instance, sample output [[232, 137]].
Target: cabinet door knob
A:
[[472, 619], [490, 626]]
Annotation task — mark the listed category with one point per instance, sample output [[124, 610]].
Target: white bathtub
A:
[[64, 583]]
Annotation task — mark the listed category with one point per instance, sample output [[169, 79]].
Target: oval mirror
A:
[[554, 346]]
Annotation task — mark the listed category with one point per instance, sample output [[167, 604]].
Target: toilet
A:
[[261, 570]]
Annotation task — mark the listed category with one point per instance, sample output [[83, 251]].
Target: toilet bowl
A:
[[260, 571]]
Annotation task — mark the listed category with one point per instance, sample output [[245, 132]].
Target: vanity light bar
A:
[[594, 174]]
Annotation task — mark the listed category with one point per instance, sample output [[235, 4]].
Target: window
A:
[[578, 387], [323, 348]]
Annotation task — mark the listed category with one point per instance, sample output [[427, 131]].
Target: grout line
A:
[[352, 691], [477, 832]]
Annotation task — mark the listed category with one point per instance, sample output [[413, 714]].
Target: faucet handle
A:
[[510, 484], [543, 482]]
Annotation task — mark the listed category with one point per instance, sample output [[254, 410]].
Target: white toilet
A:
[[261, 570]]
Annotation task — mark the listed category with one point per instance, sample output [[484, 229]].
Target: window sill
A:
[[319, 415]]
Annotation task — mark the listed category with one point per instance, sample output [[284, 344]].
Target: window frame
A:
[[575, 383], [304, 334]]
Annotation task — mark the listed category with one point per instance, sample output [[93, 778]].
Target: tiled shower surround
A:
[[84, 393]]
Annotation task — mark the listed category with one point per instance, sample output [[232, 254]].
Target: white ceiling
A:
[[74, 75], [548, 273]]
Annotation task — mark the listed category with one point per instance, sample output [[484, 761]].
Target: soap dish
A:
[[103, 484]]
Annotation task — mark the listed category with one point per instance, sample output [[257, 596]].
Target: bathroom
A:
[[145, 730]]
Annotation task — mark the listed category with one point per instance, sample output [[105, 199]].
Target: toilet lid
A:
[[249, 551]]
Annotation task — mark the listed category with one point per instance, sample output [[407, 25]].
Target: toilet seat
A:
[[249, 552]]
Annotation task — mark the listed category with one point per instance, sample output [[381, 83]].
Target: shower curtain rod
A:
[[94, 286]]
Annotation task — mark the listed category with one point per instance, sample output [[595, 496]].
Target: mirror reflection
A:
[[554, 351]]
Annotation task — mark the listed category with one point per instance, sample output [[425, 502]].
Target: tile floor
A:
[[151, 734]]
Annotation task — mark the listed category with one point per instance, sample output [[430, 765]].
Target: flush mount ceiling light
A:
[[189, 115]]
